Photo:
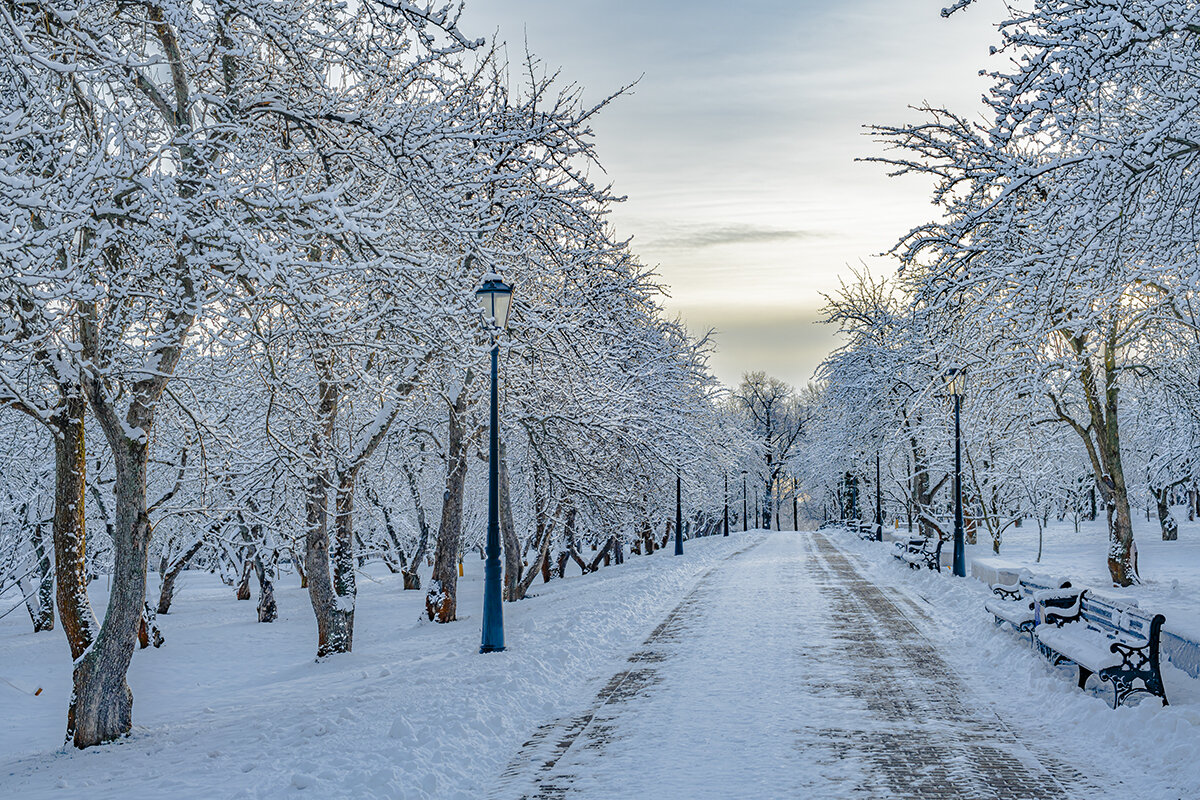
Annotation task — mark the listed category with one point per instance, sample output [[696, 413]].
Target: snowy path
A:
[[784, 673]]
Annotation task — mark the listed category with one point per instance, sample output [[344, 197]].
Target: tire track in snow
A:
[[925, 738], [592, 728]]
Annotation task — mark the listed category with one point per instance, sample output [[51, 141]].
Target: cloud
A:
[[698, 237]]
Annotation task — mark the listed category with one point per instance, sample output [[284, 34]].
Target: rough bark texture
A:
[[344, 584], [102, 702], [412, 580], [546, 531], [334, 621], [1102, 439], [268, 611], [441, 600], [40, 601], [70, 565], [508, 532], [1166, 522], [166, 592], [148, 632], [646, 535], [243, 585]]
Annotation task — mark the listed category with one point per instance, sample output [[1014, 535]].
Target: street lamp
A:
[[726, 504], [878, 502], [678, 515], [795, 518], [495, 296], [745, 508], [954, 379]]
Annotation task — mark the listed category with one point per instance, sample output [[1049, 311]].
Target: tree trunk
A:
[[70, 564], [1102, 440], [546, 526], [102, 701], [922, 496], [243, 584], [412, 579], [268, 611], [646, 532], [166, 592], [148, 632], [508, 531], [334, 621], [332, 632], [40, 602], [1162, 499], [344, 584], [442, 598], [602, 555]]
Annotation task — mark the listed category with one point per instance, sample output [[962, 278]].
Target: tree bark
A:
[[1166, 522], [1102, 440], [268, 611], [441, 601], [333, 621], [69, 532], [508, 531], [166, 592], [40, 602], [412, 579], [102, 701]]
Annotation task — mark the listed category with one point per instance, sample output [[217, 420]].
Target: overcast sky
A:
[[736, 148]]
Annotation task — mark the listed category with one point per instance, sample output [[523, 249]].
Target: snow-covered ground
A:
[[229, 707], [1143, 749], [1170, 571], [762, 677]]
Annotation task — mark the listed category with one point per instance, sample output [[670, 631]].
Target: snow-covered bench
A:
[[865, 530], [1013, 602], [1112, 639], [916, 553]]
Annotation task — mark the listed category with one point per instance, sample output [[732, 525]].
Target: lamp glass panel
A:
[[501, 302], [485, 302]]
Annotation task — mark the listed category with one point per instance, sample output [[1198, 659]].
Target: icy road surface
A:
[[784, 673]]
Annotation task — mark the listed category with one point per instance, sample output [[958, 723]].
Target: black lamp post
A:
[[757, 518], [678, 515], [745, 508], [495, 296], [954, 379], [726, 504], [878, 502], [795, 504]]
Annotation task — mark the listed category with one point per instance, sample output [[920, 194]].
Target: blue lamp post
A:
[[678, 514], [726, 504], [745, 508], [878, 502], [495, 296], [954, 378]]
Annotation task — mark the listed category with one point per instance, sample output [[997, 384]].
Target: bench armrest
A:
[[1007, 591], [1058, 606]]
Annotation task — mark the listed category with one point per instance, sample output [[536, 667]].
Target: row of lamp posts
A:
[[495, 297]]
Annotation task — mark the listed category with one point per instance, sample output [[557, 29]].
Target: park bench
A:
[[866, 530], [917, 553], [1112, 639], [1014, 604]]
